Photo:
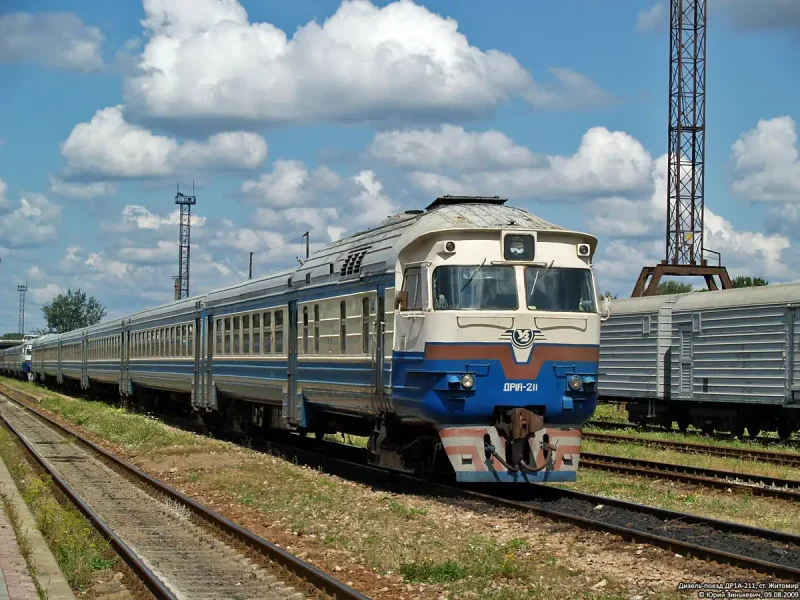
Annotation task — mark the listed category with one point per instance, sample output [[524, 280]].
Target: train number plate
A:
[[521, 387]]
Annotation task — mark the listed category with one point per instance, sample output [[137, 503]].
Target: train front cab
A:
[[497, 342]]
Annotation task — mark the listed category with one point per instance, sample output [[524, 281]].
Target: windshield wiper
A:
[[473, 274], [535, 279]]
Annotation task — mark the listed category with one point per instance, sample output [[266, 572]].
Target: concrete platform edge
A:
[[47, 572]]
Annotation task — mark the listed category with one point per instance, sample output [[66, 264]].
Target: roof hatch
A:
[[447, 200]]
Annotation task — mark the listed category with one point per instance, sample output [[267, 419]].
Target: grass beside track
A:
[[433, 549], [78, 548], [611, 412]]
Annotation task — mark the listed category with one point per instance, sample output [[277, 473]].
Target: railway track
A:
[[767, 551], [758, 485], [769, 456], [175, 546], [764, 441]]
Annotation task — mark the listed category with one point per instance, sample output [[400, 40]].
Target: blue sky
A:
[[328, 116]]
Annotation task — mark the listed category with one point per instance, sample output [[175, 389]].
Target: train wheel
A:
[[737, 430], [683, 424], [753, 431], [784, 431]]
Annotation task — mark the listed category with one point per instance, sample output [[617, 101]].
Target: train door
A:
[[210, 400], [686, 361], [124, 362], [197, 338], [84, 360], [290, 415], [379, 364], [59, 371], [792, 357]]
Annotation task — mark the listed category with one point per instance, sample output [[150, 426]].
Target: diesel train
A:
[[463, 337], [725, 360], [16, 360]]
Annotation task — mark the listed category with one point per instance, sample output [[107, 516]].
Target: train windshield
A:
[[559, 290], [474, 287], [28, 351]]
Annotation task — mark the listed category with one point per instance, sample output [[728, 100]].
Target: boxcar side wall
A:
[[731, 354], [629, 352]]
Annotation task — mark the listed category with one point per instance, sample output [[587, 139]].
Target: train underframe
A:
[[714, 416], [515, 445]]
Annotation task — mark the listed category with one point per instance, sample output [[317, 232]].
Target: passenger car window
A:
[[474, 287], [411, 284], [559, 289]]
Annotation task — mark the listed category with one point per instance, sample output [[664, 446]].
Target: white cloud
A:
[[32, 223], [746, 252], [766, 163], [59, 40], [371, 205], [655, 18], [83, 191], [569, 90], [44, 294], [744, 15], [109, 147], [291, 184], [606, 162], [747, 15], [449, 147], [363, 63], [3, 190], [140, 217]]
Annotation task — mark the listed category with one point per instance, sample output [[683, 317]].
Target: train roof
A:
[[642, 305], [368, 252], [776, 294], [782, 294]]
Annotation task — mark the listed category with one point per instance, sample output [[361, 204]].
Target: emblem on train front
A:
[[522, 342]]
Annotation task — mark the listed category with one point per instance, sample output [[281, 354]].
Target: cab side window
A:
[[412, 285]]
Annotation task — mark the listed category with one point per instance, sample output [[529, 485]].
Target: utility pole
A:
[[250, 276], [22, 289], [184, 243], [305, 235], [685, 250]]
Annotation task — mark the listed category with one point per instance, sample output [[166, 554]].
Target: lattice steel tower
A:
[[685, 250], [184, 241], [22, 289]]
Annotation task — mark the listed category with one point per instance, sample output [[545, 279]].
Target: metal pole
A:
[[251, 266], [307, 243]]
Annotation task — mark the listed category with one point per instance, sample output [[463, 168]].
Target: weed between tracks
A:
[[389, 546], [736, 465], [610, 412], [78, 548]]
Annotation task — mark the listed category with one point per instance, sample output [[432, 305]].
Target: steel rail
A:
[[407, 484], [778, 458], [758, 485], [136, 564], [310, 574], [719, 435]]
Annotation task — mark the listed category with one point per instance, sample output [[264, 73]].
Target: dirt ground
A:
[[399, 546]]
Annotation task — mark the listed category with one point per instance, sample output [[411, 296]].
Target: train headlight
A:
[[575, 383], [467, 381]]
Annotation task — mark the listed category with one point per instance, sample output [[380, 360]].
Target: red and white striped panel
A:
[[465, 447]]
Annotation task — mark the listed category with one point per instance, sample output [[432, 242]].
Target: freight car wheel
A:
[[737, 430], [784, 431], [753, 431], [683, 424]]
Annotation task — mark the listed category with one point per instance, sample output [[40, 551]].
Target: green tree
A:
[[11, 336], [673, 287], [610, 295], [742, 281], [72, 311]]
